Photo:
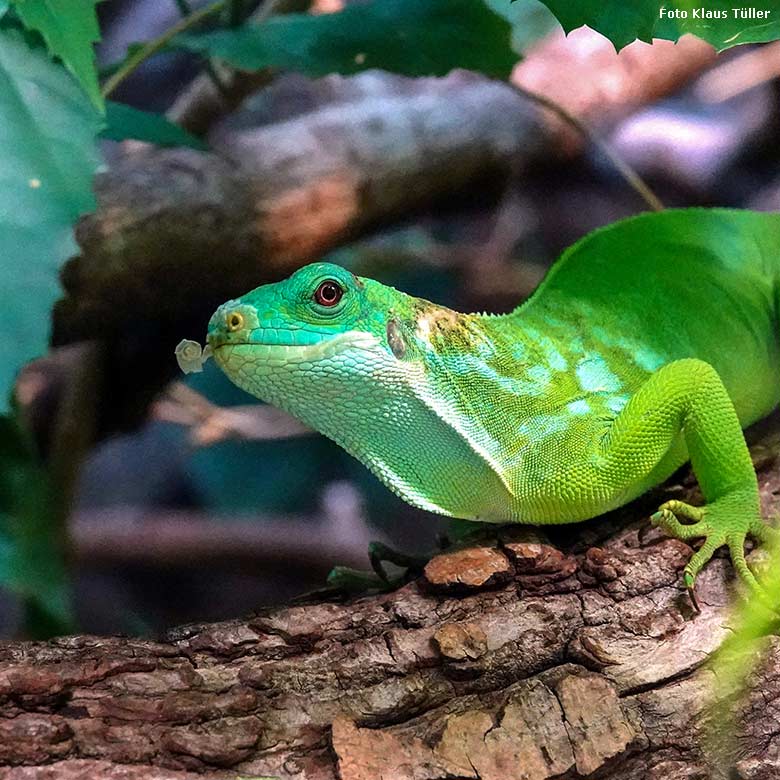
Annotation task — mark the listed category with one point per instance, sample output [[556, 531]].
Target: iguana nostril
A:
[[235, 321]]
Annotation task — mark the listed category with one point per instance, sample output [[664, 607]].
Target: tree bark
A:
[[178, 232], [514, 659], [517, 658]]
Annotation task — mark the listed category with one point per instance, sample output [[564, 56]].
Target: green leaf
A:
[[412, 37], [3, 7], [717, 21], [47, 138], [698, 237], [32, 561], [70, 28], [123, 121]]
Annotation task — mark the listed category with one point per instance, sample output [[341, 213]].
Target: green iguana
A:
[[636, 354]]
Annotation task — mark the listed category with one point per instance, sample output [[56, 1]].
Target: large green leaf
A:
[[123, 121], [31, 548], [412, 37], [716, 21], [47, 143], [70, 28]]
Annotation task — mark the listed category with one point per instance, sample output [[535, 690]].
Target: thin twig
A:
[[632, 178], [198, 107], [150, 48], [185, 9], [184, 539]]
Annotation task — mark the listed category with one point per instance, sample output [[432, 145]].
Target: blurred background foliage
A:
[[159, 526]]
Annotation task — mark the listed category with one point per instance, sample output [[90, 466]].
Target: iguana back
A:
[[641, 302]]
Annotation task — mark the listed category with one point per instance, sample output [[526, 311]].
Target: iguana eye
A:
[[235, 321], [329, 293]]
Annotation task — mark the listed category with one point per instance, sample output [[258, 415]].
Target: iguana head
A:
[[355, 360], [327, 346], [301, 339]]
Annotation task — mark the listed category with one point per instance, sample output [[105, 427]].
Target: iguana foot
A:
[[379, 553], [727, 521], [354, 581]]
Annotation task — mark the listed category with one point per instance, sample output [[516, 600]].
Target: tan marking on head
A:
[[423, 328], [436, 325]]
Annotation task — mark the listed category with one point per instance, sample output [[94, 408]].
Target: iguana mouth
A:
[[280, 354]]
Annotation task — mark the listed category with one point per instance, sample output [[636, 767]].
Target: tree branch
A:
[[201, 103], [150, 48], [281, 194], [180, 231], [514, 659]]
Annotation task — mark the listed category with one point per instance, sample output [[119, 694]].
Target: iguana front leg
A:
[[688, 397]]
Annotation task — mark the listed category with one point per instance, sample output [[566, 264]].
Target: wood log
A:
[[521, 658]]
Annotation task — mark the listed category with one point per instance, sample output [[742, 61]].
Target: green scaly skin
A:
[[612, 375]]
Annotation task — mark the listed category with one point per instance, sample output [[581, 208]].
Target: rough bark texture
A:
[[516, 660]]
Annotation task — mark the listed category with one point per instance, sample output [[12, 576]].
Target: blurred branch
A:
[[179, 231], [581, 73], [291, 191], [209, 67], [74, 431], [632, 178], [45, 384], [210, 424], [185, 539], [200, 105], [740, 73]]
